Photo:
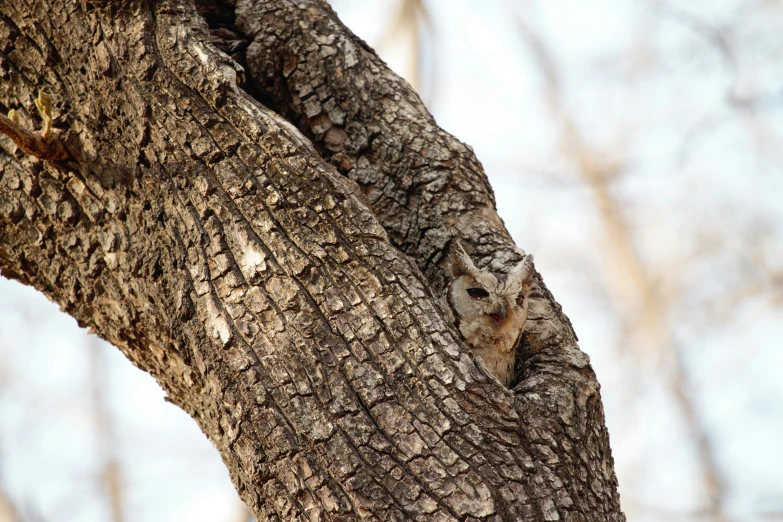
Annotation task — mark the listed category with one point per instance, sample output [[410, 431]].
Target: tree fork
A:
[[202, 235]]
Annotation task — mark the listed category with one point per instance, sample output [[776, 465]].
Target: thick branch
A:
[[426, 188], [424, 185], [200, 234]]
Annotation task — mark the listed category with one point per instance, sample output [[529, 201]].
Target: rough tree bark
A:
[[286, 308]]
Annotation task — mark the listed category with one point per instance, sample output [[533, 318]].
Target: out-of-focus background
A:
[[635, 147]]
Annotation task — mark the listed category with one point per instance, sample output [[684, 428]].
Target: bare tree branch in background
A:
[[8, 510], [640, 299], [110, 475], [410, 16], [243, 514]]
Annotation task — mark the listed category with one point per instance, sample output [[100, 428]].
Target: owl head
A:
[[490, 309]]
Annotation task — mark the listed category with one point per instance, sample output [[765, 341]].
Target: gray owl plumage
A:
[[490, 310]]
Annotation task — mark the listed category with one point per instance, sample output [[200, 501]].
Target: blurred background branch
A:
[[641, 300], [8, 510], [110, 473]]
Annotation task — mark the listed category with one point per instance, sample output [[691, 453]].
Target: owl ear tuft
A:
[[522, 275], [461, 263]]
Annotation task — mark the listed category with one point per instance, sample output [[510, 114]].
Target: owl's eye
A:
[[520, 300], [478, 293]]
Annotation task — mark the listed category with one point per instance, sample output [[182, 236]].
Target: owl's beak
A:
[[499, 315]]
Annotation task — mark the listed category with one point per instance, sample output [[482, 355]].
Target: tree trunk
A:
[[287, 308]]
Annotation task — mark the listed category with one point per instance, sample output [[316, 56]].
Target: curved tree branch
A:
[[202, 235]]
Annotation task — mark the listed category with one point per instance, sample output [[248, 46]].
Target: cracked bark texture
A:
[[287, 309]]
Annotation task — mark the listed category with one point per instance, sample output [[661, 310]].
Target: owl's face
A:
[[490, 309]]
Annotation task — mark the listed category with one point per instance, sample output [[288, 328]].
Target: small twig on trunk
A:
[[46, 145]]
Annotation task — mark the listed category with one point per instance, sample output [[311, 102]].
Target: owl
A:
[[490, 310]]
